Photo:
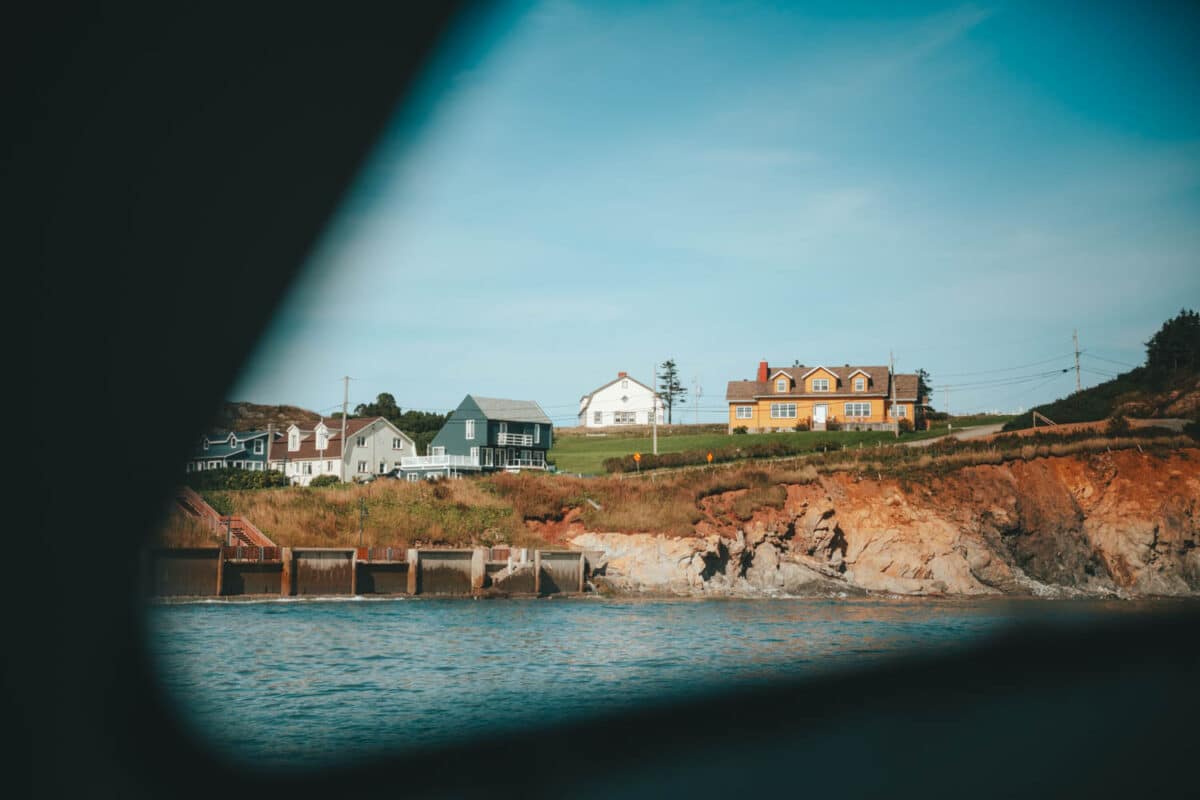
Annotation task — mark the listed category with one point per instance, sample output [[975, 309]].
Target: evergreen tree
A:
[[924, 392], [669, 387], [1176, 346]]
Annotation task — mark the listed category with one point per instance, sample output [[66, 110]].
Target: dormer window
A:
[[232, 440], [859, 384], [322, 437], [820, 384], [293, 439], [204, 443], [781, 385]]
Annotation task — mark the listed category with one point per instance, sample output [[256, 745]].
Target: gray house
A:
[[486, 434], [236, 450]]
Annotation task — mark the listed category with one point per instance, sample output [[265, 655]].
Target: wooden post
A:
[[220, 569], [537, 572], [286, 589], [414, 571]]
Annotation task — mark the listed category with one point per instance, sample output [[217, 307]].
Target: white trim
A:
[[815, 390], [749, 412], [469, 429], [781, 372], [814, 369]]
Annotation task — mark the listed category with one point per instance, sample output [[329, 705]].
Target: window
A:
[[781, 385], [624, 384], [413, 477], [503, 429], [232, 440], [624, 417], [487, 456], [898, 412], [475, 454], [214, 464], [322, 438], [258, 447], [858, 409], [383, 466], [293, 441], [537, 434], [859, 384], [397, 443], [237, 465], [438, 451], [820, 384], [362, 466], [783, 410], [597, 417], [306, 468], [745, 412], [362, 441], [470, 426]]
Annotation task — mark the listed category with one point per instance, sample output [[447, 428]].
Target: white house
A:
[[622, 401], [375, 447]]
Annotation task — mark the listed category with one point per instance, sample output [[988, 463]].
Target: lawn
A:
[[585, 454]]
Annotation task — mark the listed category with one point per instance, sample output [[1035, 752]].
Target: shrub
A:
[[906, 425], [236, 479], [832, 424], [324, 480], [1117, 425], [741, 429], [803, 425]]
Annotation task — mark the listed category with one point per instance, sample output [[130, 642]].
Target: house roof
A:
[[586, 400], [906, 385], [511, 410], [308, 440]]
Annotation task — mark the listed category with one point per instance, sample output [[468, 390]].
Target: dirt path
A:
[[975, 432]]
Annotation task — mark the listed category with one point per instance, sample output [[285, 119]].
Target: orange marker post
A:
[[637, 460], [710, 456]]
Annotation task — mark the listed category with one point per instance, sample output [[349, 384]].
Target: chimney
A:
[[762, 372], [622, 374]]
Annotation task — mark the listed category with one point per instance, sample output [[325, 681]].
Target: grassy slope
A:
[[585, 455], [1099, 401]]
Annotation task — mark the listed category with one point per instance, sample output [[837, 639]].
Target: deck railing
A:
[[514, 439], [422, 462]]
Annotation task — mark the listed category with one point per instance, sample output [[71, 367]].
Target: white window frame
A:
[[205, 444], [306, 468], [214, 465], [781, 385], [783, 410], [597, 417], [623, 418], [412, 477], [537, 434], [860, 384], [475, 454], [820, 384], [857, 410], [361, 441], [469, 429], [363, 467], [397, 443], [503, 428], [440, 450], [744, 412], [487, 457], [898, 411], [258, 447]]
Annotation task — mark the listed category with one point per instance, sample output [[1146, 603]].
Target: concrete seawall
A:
[[330, 572]]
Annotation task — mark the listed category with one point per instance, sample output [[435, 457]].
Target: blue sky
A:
[[581, 188]]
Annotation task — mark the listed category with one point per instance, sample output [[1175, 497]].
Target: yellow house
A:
[[853, 397]]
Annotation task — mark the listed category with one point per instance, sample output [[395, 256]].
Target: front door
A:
[[819, 412]]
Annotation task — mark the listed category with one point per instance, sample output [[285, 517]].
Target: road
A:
[[975, 432]]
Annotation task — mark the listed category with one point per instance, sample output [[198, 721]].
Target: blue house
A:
[[237, 450], [486, 434]]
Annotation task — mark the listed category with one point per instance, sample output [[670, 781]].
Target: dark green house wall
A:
[[452, 436]]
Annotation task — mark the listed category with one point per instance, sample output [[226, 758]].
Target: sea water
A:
[[300, 684]]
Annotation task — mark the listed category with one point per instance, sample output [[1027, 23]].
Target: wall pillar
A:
[[354, 572], [286, 582], [478, 568], [414, 571], [537, 571], [582, 565], [220, 569]]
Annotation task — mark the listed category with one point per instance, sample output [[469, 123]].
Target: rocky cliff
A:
[[1124, 523]]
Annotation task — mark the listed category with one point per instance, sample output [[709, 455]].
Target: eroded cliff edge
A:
[[1123, 523]]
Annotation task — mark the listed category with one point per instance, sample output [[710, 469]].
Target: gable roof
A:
[[308, 439], [511, 410], [781, 372], [586, 400], [744, 391]]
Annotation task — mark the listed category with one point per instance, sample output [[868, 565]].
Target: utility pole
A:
[[653, 411], [892, 375], [949, 424], [1078, 383], [362, 516], [345, 404]]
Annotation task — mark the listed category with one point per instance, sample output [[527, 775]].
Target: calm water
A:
[[301, 683]]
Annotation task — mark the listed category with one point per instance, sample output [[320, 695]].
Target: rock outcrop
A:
[[1118, 524]]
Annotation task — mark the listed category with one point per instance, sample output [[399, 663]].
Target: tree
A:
[[384, 406], [669, 387], [924, 392], [1176, 346]]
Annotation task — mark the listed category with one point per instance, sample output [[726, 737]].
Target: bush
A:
[[741, 429], [906, 425], [1117, 425], [832, 424], [803, 425], [236, 479], [324, 480]]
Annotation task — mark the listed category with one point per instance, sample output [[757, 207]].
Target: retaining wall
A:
[[250, 577], [559, 571], [383, 577], [181, 572], [323, 571], [444, 571]]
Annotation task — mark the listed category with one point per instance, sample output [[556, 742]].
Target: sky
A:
[[577, 189]]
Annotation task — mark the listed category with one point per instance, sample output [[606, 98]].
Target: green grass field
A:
[[585, 454]]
